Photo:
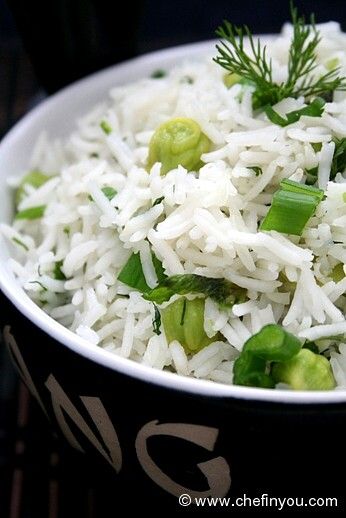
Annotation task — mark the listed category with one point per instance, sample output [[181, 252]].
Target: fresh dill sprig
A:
[[256, 68]]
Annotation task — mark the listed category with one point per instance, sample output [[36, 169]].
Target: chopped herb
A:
[[35, 178], [106, 127], [311, 175], [31, 213], [292, 206], [109, 192], [57, 272], [67, 230], [94, 155], [257, 170], [40, 284], [220, 290], [256, 67], [160, 272], [314, 109], [132, 273], [156, 321], [158, 201], [158, 74], [316, 146], [20, 243], [339, 157]]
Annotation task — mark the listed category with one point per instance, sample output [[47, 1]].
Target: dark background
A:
[[45, 45]]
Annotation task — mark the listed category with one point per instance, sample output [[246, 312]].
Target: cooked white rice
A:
[[206, 224]]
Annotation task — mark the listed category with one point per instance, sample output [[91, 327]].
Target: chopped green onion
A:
[[132, 273], [35, 179], [20, 243], [314, 109], [67, 230], [105, 126], [160, 272], [183, 320], [158, 74], [222, 291], [58, 273], [156, 321], [31, 213], [271, 343], [305, 371], [293, 205]]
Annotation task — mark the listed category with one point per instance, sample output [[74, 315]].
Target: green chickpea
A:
[[305, 371], [176, 142], [183, 320]]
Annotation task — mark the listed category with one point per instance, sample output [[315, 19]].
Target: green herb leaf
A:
[[105, 126], [132, 273], [158, 201], [254, 66], [339, 157], [158, 74], [311, 175], [58, 274], [222, 291], [109, 192], [314, 109], [31, 213], [292, 206], [157, 321], [35, 178]]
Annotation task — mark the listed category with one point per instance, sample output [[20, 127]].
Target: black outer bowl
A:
[[167, 442], [163, 439]]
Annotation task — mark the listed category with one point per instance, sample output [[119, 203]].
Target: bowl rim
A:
[[67, 338]]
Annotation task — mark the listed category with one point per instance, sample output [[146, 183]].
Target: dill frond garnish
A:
[[255, 67]]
